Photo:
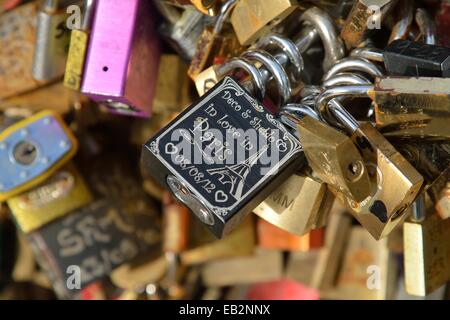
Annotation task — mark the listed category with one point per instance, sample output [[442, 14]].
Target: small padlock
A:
[[417, 107], [52, 41], [395, 182], [426, 251], [223, 156], [31, 150], [299, 205], [252, 18], [97, 238], [121, 63], [414, 59], [79, 41], [365, 16], [60, 194]]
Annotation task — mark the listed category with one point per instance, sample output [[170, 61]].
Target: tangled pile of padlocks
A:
[[224, 149]]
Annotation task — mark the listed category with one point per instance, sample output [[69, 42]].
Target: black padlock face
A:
[[413, 59], [223, 155]]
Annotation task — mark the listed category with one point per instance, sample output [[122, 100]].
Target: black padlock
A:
[[414, 59], [223, 156]]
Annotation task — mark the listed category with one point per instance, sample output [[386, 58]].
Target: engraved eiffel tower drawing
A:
[[237, 173]]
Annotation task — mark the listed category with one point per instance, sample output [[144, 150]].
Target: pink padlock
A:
[[123, 57]]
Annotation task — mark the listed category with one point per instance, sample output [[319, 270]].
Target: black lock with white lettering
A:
[[223, 156], [414, 59]]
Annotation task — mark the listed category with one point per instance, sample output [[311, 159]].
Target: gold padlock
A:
[[334, 158], [297, 206], [395, 182], [62, 193], [415, 107], [253, 18], [426, 252]]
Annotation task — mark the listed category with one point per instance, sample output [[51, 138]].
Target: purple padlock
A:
[[123, 57]]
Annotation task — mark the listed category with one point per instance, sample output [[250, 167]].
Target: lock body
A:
[[427, 254], [222, 156], [414, 59], [32, 150], [297, 206], [121, 62], [334, 158], [114, 238], [252, 18], [52, 42], [415, 107], [395, 183], [60, 194]]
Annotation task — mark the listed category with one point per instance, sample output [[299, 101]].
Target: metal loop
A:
[[372, 54], [346, 78], [332, 43], [275, 68], [289, 48], [341, 91], [354, 64], [258, 86]]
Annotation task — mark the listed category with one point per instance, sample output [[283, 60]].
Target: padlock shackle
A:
[[369, 53], [346, 78], [224, 13], [88, 15], [288, 47], [353, 64], [426, 26], [401, 28], [418, 210], [323, 103], [276, 70], [332, 43], [257, 84]]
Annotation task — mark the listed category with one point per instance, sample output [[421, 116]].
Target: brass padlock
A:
[[297, 206], [416, 107], [253, 18], [79, 41], [334, 158], [427, 250], [60, 194], [380, 212]]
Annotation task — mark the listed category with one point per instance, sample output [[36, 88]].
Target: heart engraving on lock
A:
[[221, 196]]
